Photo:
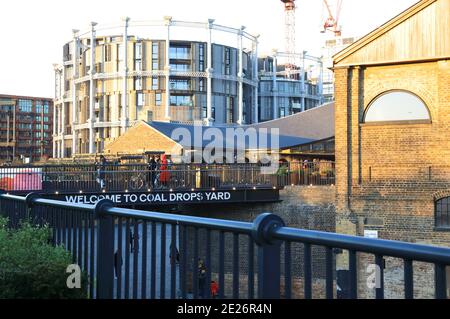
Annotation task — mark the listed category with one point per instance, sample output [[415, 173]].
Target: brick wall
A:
[[389, 175], [142, 138], [301, 207]]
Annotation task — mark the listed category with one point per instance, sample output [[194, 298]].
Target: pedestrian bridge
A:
[[136, 184]]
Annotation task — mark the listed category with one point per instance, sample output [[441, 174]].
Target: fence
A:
[[138, 177], [133, 254]]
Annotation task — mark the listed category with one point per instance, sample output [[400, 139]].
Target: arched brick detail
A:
[[379, 88], [441, 194]]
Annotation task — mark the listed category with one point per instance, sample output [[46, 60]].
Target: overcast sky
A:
[[33, 32]]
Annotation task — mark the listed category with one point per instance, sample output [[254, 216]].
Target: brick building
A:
[[392, 130], [26, 128]]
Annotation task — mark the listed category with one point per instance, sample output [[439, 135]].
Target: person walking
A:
[[214, 289], [201, 278]]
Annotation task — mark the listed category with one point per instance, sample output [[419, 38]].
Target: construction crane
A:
[[332, 21], [289, 9]]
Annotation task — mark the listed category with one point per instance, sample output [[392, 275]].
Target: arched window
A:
[[396, 106], [442, 212]]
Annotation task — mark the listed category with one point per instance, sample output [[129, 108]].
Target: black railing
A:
[[137, 254], [138, 177]]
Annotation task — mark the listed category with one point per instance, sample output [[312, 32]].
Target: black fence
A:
[[137, 254], [139, 177]]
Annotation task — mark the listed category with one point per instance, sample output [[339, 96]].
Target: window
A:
[[138, 51], [155, 56], [180, 52], [107, 53], [179, 67], [120, 62], [394, 106], [6, 108], [138, 65], [227, 61], [39, 106], [229, 109], [179, 84], [25, 126], [442, 211], [138, 83], [201, 65], [140, 99], [155, 83], [181, 100], [201, 85], [46, 108], [138, 56], [25, 105], [158, 99]]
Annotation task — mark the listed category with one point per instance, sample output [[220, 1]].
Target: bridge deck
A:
[[136, 184]]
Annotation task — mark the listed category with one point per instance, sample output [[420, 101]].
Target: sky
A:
[[33, 32]]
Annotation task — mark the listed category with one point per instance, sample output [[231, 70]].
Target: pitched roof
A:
[[316, 124], [418, 33], [225, 135]]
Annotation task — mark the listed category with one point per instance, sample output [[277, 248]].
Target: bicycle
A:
[[137, 181]]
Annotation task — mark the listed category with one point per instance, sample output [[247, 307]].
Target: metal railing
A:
[[134, 254], [138, 177]]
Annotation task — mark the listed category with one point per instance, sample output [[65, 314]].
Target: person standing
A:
[[156, 171], [101, 167], [151, 166], [164, 174]]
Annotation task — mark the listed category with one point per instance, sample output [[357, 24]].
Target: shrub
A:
[[30, 267]]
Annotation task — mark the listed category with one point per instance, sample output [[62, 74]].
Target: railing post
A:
[[269, 259], [29, 200], [105, 250], [2, 192]]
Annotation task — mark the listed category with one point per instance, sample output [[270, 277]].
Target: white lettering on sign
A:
[[181, 197]]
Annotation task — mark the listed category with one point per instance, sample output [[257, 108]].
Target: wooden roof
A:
[[316, 123], [420, 33]]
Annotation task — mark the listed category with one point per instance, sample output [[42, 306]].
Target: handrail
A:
[[390, 248], [81, 227], [419, 252]]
